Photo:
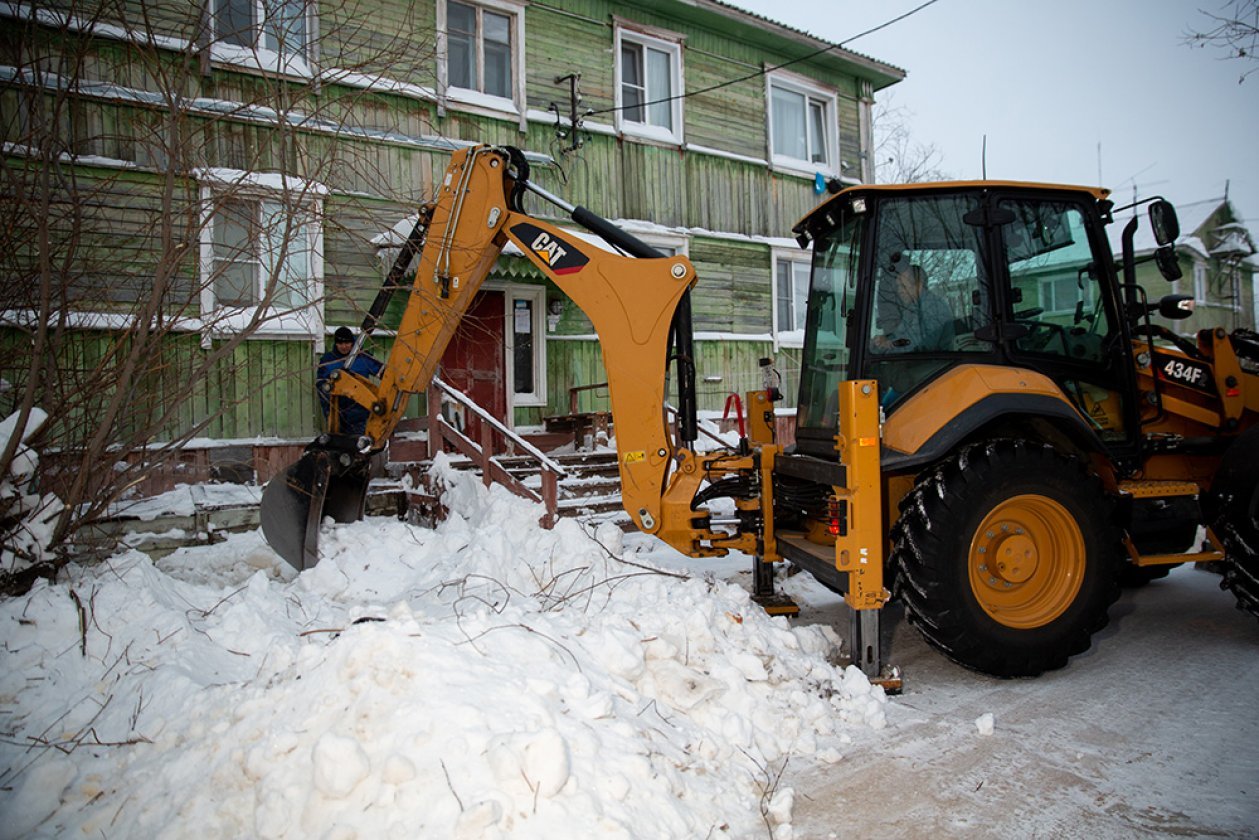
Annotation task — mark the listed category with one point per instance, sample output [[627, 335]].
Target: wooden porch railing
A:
[[597, 423], [482, 452], [670, 411], [577, 389]]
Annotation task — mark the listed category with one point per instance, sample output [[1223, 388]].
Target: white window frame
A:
[[788, 337], [305, 320], [1200, 289], [258, 56], [664, 42], [812, 92], [471, 99], [1049, 286], [674, 245]]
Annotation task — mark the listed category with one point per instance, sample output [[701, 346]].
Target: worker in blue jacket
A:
[[351, 417]]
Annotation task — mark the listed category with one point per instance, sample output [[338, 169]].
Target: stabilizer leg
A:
[[763, 592], [865, 647]]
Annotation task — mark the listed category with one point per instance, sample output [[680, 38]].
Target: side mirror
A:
[[1175, 307], [1168, 265], [1163, 220]]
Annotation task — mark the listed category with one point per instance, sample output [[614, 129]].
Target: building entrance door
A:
[[474, 362]]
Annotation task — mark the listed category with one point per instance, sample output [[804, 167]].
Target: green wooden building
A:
[[1216, 253], [197, 194]]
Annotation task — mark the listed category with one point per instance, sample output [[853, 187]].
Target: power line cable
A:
[[764, 71]]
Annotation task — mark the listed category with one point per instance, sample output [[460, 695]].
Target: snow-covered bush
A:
[[27, 517]]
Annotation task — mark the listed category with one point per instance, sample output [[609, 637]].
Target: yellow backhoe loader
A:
[[990, 426]]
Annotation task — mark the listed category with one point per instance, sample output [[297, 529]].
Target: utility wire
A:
[[766, 70]]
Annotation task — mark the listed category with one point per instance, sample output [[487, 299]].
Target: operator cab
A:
[[910, 282]]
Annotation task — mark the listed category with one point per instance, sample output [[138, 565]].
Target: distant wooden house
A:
[[245, 165]]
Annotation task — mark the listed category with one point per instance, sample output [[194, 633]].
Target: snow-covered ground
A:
[[487, 678], [1150, 733], [492, 679]]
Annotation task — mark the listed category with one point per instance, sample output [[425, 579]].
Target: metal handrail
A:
[[493, 469], [486, 417]]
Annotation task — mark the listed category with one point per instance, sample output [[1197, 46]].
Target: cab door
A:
[[1060, 313]]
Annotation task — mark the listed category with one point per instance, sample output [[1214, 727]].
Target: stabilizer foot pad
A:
[[777, 604]]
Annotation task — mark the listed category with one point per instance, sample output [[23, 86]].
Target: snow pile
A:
[[484, 679], [27, 517]]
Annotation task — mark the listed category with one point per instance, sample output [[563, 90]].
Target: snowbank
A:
[[27, 517], [484, 679]]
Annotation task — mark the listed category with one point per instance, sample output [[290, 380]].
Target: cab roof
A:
[[1097, 193]]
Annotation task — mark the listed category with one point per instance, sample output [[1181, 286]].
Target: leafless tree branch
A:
[[1234, 32]]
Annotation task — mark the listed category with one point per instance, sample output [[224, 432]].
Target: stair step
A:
[[1210, 552], [581, 488], [398, 469], [590, 490], [407, 449], [1158, 489], [588, 504]]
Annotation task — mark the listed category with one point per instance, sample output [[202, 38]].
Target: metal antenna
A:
[[983, 165]]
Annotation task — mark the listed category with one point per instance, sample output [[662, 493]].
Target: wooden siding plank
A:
[[265, 387]]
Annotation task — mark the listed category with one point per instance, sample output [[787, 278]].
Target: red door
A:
[[474, 362]]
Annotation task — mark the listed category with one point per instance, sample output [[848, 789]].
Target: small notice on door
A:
[[524, 317]]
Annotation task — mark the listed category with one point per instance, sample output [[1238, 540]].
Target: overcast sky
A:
[[1048, 82]]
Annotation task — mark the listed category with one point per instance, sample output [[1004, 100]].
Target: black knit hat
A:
[[343, 334]]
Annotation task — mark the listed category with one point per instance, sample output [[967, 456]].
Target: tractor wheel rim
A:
[[1027, 561]]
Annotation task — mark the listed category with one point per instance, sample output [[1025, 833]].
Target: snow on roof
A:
[[734, 11], [276, 181], [1192, 215]]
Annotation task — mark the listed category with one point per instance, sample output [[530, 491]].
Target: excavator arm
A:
[[630, 298]]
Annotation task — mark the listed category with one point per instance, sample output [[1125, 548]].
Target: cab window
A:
[[1057, 309], [931, 292]]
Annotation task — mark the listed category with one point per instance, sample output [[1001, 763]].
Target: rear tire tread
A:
[[1232, 511], [925, 559]]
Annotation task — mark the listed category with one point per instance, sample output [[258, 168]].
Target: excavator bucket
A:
[[323, 482]]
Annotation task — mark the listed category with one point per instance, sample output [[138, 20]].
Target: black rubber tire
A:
[[939, 527], [1232, 510]]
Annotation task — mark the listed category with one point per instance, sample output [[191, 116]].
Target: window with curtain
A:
[[649, 78], [802, 125]]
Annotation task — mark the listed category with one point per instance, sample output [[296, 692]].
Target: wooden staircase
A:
[[590, 488], [575, 484]]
